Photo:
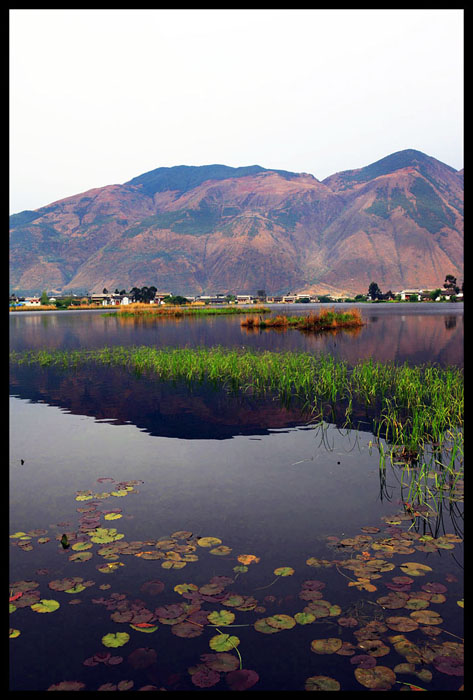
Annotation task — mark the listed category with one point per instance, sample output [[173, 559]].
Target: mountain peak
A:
[[183, 178], [399, 160]]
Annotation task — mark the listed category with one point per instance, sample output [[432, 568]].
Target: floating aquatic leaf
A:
[[241, 679], [284, 571], [377, 678], [45, 606], [284, 622], [233, 600], [363, 661], [205, 677], [224, 642], [416, 604], [414, 569], [348, 621], [321, 683], [221, 617], [185, 588], [374, 647], [102, 535], [67, 685], [434, 588], [262, 626], [112, 516], [304, 618], [208, 541], [187, 629], [115, 639], [76, 589], [401, 624], [173, 564], [448, 664], [319, 563], [81, 556], [426, 617], [146, 627], [394, 600], [222, 550], [64, 583], [248, 559], [222, 661], [81, 546], [14, 633], [109, 567], [181, 535], [406, 648], [326, 646]]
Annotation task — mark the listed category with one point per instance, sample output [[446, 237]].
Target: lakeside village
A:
[[150, 295]]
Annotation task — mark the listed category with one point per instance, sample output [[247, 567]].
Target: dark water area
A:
[[197, 462]]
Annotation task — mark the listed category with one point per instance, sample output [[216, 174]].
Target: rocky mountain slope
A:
[[206, 229]]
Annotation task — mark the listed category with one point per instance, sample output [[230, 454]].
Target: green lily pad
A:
[[412, 568], [304, 618], [224, 642], [76, 589], [282, 622], [14, 633], [284, 571], [221, 617], [262, 626], [45, 606], [208, 541], [81, 556], [117, 639]]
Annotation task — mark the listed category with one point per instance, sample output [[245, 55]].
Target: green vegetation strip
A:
[[165, 311], [411, 405]]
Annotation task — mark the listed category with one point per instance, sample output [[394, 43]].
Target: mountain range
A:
[[215, 228]]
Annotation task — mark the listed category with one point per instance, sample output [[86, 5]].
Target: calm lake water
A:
[[200, 463]]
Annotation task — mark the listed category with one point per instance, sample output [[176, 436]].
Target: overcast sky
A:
[[98, 97]]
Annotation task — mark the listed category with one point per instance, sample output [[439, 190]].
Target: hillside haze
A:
[[214, 228]]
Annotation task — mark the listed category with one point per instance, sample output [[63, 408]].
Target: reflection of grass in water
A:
[[409, 406]]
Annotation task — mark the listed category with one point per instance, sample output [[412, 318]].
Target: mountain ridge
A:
[[191, 229]]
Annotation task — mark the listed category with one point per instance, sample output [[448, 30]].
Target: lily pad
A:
[[283, 622], [427, 617], [222, 661], [208, 541], [450, 665], [304, 618], [284, 571], [114, 640], [401, 624], [187, 629], [248, 559], [321, 683], [45, 606], [224, 642], [412, 568], [221, 617], [241, 679], [377, 678], [205, 677], [326, 646]]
